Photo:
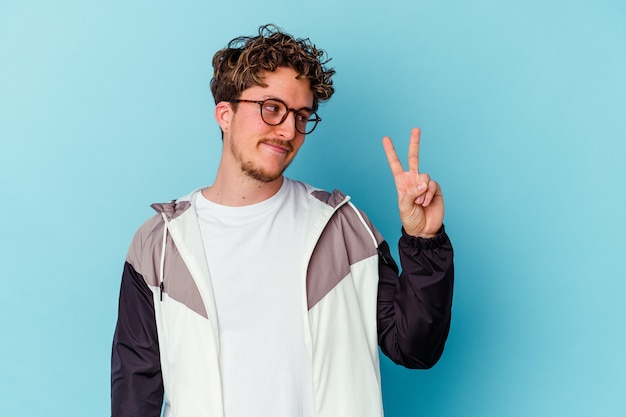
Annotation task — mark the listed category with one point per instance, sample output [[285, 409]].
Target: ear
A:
[[223, 114]]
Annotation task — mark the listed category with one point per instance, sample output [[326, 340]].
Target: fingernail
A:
[[421, 186]]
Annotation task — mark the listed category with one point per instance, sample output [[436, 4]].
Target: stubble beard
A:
[[256, 173], [252, 170]]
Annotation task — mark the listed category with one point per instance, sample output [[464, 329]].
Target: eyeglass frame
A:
[[313, 117]]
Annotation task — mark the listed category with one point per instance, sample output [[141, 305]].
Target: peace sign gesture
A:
[[420, 200]]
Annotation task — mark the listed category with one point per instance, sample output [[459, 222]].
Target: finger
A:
[[423, 178], [392, 157], [414, 150], [419, 191], [433, 190]]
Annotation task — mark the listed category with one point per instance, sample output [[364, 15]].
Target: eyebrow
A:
[[266, 97]]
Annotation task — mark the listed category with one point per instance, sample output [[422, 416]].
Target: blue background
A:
[[105, 107]]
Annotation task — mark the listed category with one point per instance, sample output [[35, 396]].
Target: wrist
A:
[[422, 235]]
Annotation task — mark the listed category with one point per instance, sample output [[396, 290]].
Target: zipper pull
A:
[[161, 286], [380, 254]]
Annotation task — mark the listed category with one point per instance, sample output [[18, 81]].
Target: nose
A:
[[287, 129]]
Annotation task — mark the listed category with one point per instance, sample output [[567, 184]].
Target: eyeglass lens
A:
[[274, 113]]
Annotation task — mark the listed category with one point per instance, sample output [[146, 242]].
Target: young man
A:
[[263, 296]]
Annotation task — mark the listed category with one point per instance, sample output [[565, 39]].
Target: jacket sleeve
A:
[[136, 382], [414, 308]]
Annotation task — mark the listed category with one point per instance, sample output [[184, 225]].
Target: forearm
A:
[[414, 309], [136, 382]]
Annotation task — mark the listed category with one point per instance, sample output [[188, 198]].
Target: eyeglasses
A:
[[275, 111]]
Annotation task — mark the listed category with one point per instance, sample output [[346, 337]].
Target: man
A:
[[263, 296]]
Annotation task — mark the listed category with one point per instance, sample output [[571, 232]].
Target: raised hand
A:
[[420, 200]]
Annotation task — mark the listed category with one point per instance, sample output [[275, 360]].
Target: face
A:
[[254, 148]]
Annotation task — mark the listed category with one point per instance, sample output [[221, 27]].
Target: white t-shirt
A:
[[254, 255]]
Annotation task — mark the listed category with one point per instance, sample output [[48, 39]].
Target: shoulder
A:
[[332, 198], [149, 235], [345, 215]]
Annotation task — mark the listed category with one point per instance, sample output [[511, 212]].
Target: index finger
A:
[[414, 150], [392, 157]]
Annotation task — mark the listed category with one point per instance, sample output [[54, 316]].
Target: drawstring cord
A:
[[358, 213], [162, 265]]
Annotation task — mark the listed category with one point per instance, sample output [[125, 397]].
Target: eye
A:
[[270, 107], [304, 115]]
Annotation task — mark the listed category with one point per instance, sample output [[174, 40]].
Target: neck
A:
[[241, 190]]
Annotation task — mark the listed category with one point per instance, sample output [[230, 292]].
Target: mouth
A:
[[278, 146]]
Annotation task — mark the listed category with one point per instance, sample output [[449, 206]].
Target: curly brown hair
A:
[[241, 64]]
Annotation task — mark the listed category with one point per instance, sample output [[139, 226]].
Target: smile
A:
[[279, 147]]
